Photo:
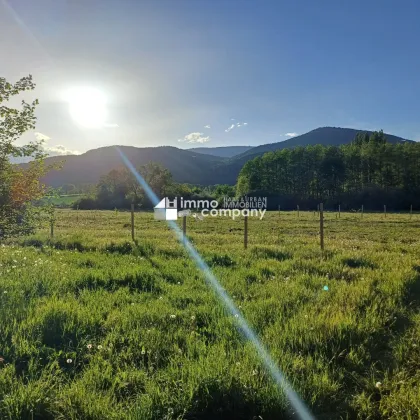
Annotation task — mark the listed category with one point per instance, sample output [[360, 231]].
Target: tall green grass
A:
[[94, 326]]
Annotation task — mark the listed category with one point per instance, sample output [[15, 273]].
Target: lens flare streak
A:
[[301, 410]]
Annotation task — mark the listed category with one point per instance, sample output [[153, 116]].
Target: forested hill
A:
[[186, 166], [369, 171], [327, 136], [224, 151]]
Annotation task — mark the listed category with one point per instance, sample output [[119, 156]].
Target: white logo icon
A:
[[166, 209]]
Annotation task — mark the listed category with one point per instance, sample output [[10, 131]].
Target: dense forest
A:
[[369, 171]]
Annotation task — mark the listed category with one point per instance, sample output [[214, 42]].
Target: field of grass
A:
[[95, 327]]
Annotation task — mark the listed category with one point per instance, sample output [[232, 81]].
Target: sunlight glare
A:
[[87, 107]]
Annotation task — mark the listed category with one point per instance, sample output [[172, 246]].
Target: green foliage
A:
[[18, 186], [93, 326], [368, 170], [119, 188]]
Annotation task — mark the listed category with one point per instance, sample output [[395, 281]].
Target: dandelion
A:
[[378, 384], [143, 352], [89, 346], [236, 316], [192, 317], [5, 292], [99, 347], [172, 316], [69, 361], [254, 372]]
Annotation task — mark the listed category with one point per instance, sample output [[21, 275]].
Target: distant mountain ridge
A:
[[327, 136], [185, 166], [188, 166], [224, 151]]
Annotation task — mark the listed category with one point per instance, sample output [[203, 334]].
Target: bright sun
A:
[[87, 106]]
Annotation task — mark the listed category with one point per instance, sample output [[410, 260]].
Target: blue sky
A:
[[168, 68]]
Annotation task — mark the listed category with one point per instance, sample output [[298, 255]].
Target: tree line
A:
[[119, 189], [369, 171]]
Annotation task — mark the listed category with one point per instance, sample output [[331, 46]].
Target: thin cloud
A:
[[111, 125], [236, 125], [41, 137], [292, 134], [195, 138], [60, 150], [207, 126]]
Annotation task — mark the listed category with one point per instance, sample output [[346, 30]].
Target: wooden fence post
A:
[[184, 228], [384, 210], [245, 232], [339, 210], [297, 211], [411, 210], [321, 225], [361, 214], [132, 222]]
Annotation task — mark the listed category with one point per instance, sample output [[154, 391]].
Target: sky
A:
[[194, 73]]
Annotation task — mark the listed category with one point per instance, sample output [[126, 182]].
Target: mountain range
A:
[[226, 151], [202, 166]]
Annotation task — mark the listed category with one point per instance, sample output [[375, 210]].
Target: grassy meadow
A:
[[93, 326]]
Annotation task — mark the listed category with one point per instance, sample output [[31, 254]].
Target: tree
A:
[[157, 177], [119, 188], [369, 170], [18, 186]]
